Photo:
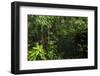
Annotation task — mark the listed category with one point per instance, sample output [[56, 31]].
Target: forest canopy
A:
[[57, 37]]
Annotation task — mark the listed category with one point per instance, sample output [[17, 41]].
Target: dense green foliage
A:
[[57, 37]]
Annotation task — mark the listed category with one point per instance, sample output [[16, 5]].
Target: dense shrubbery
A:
[[56, 37]]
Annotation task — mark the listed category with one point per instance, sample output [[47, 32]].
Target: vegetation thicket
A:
[[57, 37]]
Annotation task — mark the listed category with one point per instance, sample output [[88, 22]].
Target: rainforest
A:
[[57, 37]]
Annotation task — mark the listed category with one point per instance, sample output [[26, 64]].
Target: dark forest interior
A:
[[57, 37]]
